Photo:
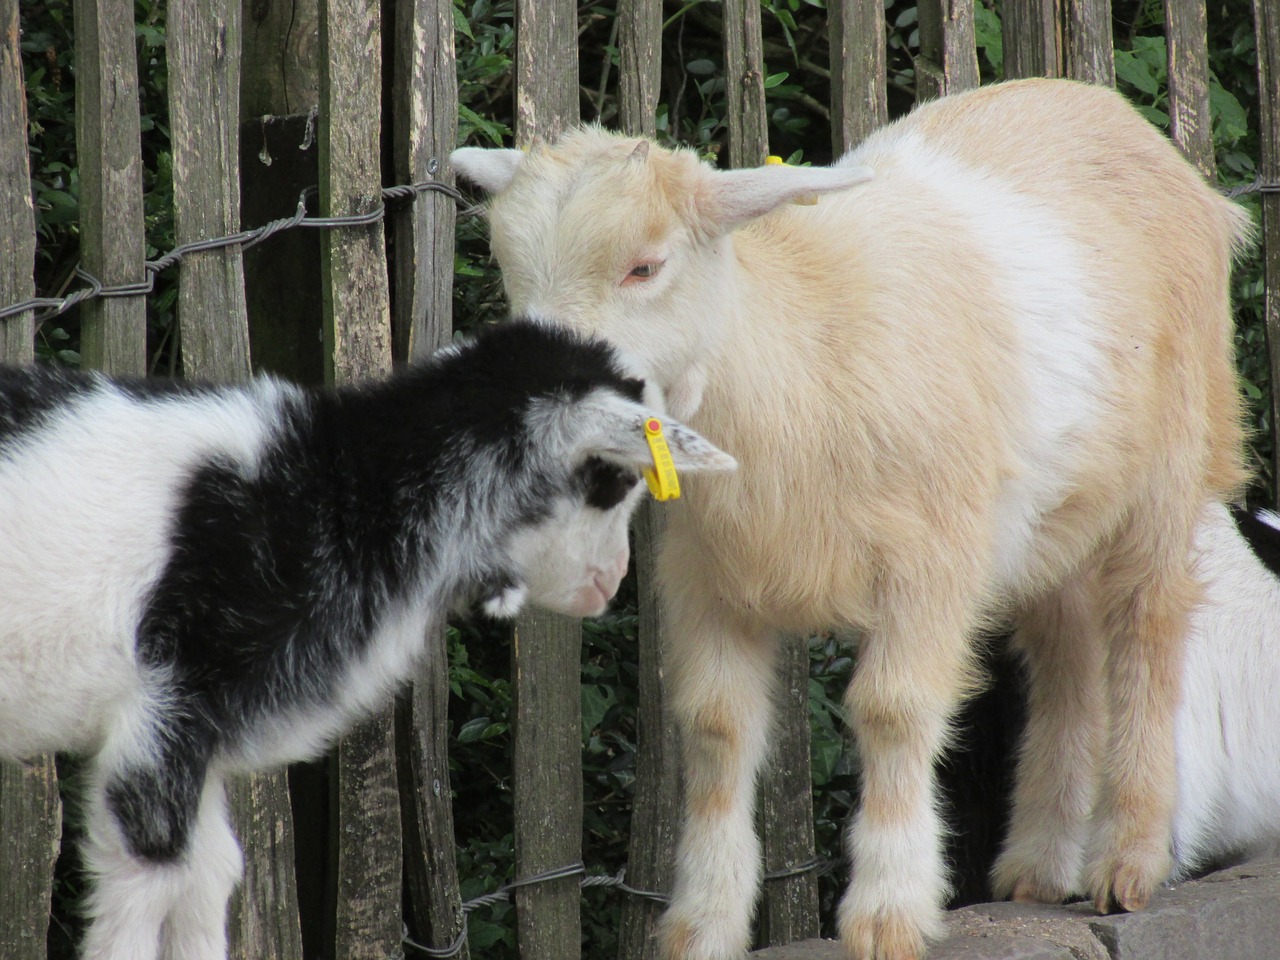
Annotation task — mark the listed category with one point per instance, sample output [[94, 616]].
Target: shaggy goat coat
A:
[[201, 580], [989, 373]]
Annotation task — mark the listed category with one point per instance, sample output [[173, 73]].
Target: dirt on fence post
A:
[[948, 60], [204, 76], [789, 910], [1267, 23], [113, 332], [30, 807], [546, 649], [357, 332], [424, 120], [856, 39]]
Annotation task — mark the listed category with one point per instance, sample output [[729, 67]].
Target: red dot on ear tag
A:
[[653, 426]]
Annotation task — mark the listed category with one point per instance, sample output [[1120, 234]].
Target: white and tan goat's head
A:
[[623, 238]]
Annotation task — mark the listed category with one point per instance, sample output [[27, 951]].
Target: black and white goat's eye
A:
[[605, 485], [642, 271]]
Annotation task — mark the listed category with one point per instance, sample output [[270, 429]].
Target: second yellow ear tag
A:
[[662, 479]]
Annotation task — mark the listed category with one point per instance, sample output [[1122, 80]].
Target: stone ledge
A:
[[1233, 914]]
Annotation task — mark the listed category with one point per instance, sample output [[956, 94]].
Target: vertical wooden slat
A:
[[424, 85], [1190, 125], [744, 83], [109, 152], [279, 69], [204, 74], [789, 910], [17, 219], [1029, 29], [655, 809], [546, 657], [30, 808], [357, 330], [1267, 24], [948, 60], [856, 36], [204, 85], [1087, 51]]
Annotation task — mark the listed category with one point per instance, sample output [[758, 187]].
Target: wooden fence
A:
[[391, 829]]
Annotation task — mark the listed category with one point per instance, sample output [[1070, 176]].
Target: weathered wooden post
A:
[[113, 332], [789, 910], [656, 804], [1267, 23], [1029, 29], [546, 651], [856, 39], [948, 60], [30, 809], [424, 119], [1087, 50], [204, 76], [357, 333], [1190, 123]]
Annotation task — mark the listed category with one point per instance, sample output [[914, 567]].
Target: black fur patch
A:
[[279, 577], [605, 484], [29, 394], [1263, 538]]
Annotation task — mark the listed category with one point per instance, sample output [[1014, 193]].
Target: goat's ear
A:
[[727, 198], [613, 429], [490, 169]]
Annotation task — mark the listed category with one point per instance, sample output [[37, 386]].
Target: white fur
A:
[[1228, 730]]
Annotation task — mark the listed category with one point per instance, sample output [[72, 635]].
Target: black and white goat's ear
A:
[[491, 169], [613, 429]]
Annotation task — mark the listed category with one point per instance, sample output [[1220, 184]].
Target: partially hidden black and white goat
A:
[[200, 580]]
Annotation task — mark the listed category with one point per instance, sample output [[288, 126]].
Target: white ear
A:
[[490, 169], [612, 428], [727, 198]]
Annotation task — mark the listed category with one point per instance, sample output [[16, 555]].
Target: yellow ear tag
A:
[[663, 482], [809, 200]]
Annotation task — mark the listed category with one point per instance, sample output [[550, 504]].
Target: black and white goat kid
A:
[[200, 580]]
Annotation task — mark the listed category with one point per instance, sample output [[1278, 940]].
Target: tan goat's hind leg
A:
[[722, 677], [1059, 638], [912, 672], [1147, 592]]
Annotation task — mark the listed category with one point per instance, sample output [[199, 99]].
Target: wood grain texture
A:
[[17, 218], [546, 69], [113, 332], [639, 65], [1087, 50], [263, 920], [30, 838], [424, 132], [1187, 43], [204, 77], [744, 83], [948, 60], [856, 39], [1029, 29], [280, 68]]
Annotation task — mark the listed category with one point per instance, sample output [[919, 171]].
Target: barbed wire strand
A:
[[616, 881], [53, 306]]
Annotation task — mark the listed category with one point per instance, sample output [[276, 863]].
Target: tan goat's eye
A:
[[643, 271]]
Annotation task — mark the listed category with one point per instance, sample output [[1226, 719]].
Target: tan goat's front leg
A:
[[1147, 594], [912, 671], [1061, 643], [722, 675]]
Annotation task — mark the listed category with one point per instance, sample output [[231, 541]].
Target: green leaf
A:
[[773, 79], [596, 701], [1136, 72], [473, 730]]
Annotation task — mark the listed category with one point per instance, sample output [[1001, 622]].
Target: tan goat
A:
[[990, 368]]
